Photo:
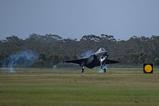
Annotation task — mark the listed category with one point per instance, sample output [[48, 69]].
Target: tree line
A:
[[53, 49]]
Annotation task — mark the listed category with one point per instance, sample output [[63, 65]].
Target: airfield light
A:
[[148, 68]]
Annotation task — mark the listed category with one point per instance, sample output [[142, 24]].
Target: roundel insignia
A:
[[148, 68]]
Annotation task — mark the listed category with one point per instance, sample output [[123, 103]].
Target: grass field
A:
[[47, 87]]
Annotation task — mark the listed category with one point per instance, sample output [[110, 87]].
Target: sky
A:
[[75, 18]]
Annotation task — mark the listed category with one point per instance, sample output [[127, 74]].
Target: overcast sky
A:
[[74, 18]]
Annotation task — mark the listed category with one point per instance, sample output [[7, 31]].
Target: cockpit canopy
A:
[[101, 50]]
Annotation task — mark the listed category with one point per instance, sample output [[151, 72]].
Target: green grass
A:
[[48, 87]]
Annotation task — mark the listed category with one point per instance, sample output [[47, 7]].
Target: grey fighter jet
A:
[[99, 58]]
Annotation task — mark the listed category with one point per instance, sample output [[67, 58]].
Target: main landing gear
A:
[[104, 68], [82, 70]]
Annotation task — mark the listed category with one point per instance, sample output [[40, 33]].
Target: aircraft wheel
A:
[[105, 70], [82, 71]]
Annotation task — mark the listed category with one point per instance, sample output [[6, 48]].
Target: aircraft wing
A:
[[78, 61], [111, 61]]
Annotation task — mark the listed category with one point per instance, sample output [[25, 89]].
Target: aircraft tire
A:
[[105, 70], [82, 71]]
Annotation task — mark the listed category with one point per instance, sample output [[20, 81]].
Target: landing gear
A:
[[82, 70], [105, 70], [103, 65]]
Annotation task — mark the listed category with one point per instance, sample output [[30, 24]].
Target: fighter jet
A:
[[99, 58]]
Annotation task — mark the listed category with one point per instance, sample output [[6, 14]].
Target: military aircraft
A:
[[99, 58]]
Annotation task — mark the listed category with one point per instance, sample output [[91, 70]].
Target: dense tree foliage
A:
[[52, 49]]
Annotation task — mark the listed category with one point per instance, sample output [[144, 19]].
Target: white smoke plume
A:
[[20, 59]]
